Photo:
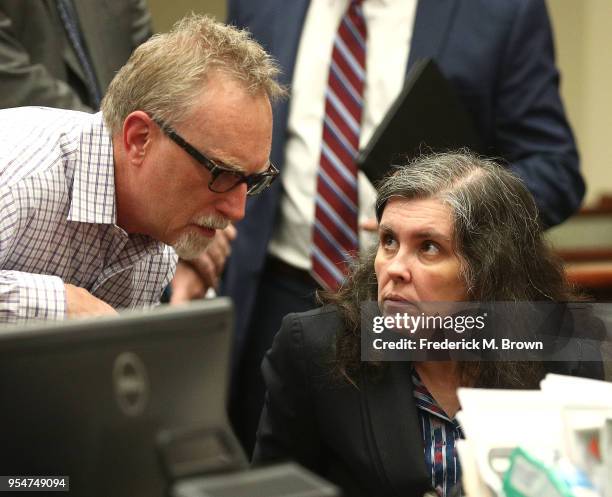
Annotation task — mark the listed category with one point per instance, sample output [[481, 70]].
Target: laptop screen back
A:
[[118, 403]]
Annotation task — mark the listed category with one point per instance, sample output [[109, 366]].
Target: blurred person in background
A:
[[64, 53]]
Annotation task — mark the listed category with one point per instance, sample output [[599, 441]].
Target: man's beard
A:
[[191, 244]]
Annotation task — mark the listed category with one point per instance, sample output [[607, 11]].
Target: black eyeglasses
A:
[[222, 179]]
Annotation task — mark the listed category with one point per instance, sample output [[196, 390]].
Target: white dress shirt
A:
[[389, 25], [58, 219]]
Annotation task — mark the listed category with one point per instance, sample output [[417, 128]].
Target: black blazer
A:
[[364, 438]]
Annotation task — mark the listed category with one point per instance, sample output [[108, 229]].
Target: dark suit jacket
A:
[[366, 439], [38, 65], [498, 54]]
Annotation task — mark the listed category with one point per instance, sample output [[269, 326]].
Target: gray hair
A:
[[166, 73], [496, 230]]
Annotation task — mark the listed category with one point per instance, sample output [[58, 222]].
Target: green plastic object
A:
[[529, 477]]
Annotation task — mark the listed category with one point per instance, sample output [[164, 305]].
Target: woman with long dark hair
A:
[[452, 228]]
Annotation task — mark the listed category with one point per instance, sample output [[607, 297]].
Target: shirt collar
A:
[[93, 186], [425, 401]]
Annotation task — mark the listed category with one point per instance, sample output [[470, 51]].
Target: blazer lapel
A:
[[68, 52], [393, 431], [95, 27], [431, 25]]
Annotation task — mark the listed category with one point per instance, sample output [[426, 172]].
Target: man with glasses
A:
[[196, 276], [90, 204]]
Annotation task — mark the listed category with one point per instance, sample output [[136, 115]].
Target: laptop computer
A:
[[279, 480], [123, 406], [131, 406]]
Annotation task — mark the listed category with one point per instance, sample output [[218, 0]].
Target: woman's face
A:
[[415, 261]]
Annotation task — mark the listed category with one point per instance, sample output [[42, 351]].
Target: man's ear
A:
[[138, 129]]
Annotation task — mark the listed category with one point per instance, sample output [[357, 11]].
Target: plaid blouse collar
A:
[[425, 401]]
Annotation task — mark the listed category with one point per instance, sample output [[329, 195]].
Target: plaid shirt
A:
[[58, 219], [439, 436]]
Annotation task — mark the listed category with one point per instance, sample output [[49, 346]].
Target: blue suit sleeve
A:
[[531, 128]]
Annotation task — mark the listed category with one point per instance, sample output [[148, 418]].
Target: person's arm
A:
[[27, 296], [141, 22], [233, 8], [532, 131], [287, 429], [23, 82]]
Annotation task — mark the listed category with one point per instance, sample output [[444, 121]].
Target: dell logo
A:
[[131, 384]]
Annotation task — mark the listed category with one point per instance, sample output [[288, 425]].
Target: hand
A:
[[369, 225], [210, 263], [193, 278], [80, 303], [186, 284]]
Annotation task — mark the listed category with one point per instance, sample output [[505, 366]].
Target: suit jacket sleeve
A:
[[141, 22], [24, 296], [26, 83], [233, 11], [531, 128], [287, 429]]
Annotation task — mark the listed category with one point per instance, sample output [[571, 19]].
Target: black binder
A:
[[426, 117]]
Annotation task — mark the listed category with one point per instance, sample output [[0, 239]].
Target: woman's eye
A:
[[387, 240], [430, 248]]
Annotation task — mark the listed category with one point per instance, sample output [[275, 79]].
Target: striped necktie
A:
[[69, 18], [335, 236]]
